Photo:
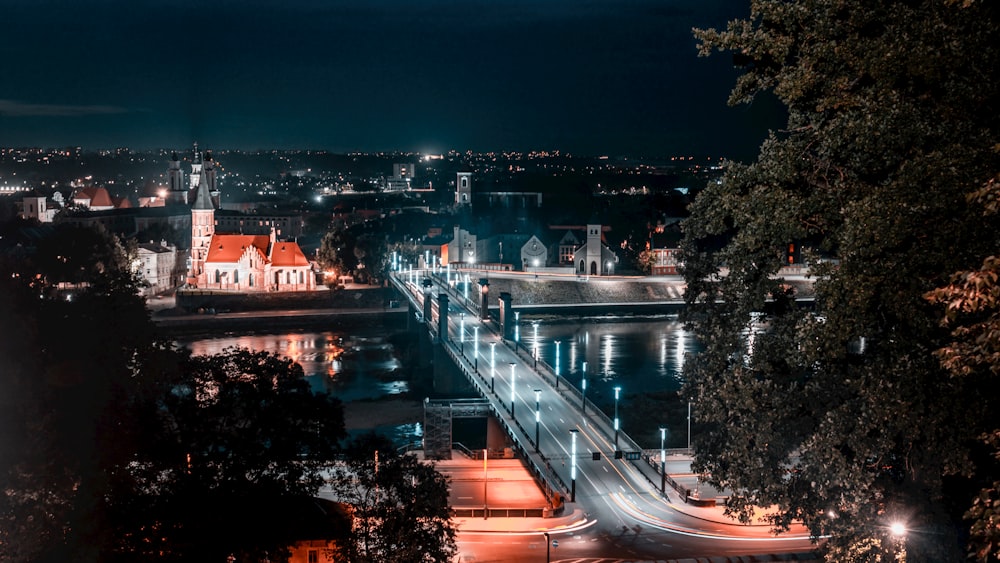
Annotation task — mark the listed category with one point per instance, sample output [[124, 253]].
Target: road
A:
[[626, 511]]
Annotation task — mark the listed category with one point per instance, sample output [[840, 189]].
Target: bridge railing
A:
[[544, 474], [573, 395]]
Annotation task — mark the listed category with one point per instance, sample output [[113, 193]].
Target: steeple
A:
[[177, 191], [195, 167], [202, 213]]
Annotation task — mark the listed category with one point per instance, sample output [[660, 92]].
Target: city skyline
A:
[[585, 78]]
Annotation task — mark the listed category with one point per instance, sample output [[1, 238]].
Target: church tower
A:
[[177, 192], [202, 216], [463, 189], [594, 265], [195, 168]]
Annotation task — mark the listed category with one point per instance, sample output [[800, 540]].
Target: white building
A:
[[156, 266]]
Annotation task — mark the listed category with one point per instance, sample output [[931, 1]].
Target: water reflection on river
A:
[[349, 367], [640, 354]]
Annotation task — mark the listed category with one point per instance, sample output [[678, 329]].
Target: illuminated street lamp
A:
[[663, 461], [572, 470], [557, 364], [461, 333], [493, 365], [534, 325], [618, 391], [583, 390], [513, 388], [486, 506], [475, 348], [538, 416], [898, 531], [517, 328], [689, 425]]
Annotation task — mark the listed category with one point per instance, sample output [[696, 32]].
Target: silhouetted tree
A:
[[400, 505], [71, 360], [841, 416], [235, 437], [972, 312]]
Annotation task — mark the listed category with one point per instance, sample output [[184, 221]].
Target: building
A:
[[463, 189], [238, 262], [594, 258], [156, 265]]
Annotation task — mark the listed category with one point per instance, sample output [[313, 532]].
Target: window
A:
[[313, 556]]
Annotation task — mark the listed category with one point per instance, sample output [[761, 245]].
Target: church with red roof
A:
[[239, 262]]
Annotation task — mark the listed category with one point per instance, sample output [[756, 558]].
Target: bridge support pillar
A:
[[484, 301], [506, 316], [428, 307], [443, 317]]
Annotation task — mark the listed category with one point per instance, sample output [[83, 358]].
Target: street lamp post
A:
[[461, 331], [618, 391], [538, 416], [557, 364], [513, 388], [534, 325], [548, 544], [486, 506], [572, 470], [517, 328], [663, 461], [493, 365], [475, 349], [689, 426], [583, 390]]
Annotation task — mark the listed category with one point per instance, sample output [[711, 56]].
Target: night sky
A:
[[616, 77]]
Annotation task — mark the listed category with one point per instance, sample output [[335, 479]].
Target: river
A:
[[642, 355]]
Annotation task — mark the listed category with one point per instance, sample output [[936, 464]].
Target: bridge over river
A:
[[577, 453]]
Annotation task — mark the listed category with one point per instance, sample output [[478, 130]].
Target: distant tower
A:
[[594, 265], [202, 218], [463, 189], [175, 179], [210, 180], [195, 168]]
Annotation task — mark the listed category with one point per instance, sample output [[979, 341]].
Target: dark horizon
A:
[[592, 78]]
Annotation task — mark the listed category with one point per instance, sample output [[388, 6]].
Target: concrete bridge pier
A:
[[506, 316]]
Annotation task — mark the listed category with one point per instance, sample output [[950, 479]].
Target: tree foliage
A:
[[70, 363], [235, 439], [841, 416], [400, 506], [972, 312]]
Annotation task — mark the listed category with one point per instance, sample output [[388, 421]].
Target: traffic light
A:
[[618, 454], [596, 456]]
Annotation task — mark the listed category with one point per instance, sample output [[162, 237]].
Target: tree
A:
[[841, 416], [237, 437], [116, 447], [69, 377], [400, 505], [972, 311], [336, 252]]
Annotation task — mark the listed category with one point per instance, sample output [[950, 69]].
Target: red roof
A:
[[229, 248], [99, 197], [288, 254]]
